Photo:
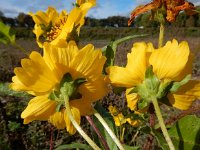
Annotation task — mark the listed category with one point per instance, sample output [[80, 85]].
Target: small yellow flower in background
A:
[[45, 77], [161, 73], [120, 119], [53, 26], [172, 9]]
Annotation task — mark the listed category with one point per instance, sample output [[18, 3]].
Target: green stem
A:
[[161, 35], [110, 132], [78, 128], [162, 124]]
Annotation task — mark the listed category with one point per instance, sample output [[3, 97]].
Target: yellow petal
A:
[[169, 61], [132, 99], [17, 85], [133, 123], [137, 60], [94, 90], [121, 77], [88, 62], [38, 32], [59, 59], [119, 119], [185, 96], [74, 19], [182, 102], [39, 18], [134, 71], [188, 68], [69, 126], [39, 108], [192, 88], [35, 74], [84, 106], [57, 119]]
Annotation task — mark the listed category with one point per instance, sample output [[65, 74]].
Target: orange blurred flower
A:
[[172, 7]]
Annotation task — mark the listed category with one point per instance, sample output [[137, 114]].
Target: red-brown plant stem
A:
[[105, 145]]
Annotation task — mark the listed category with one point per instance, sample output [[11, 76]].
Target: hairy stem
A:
[[77, 126], [162, 124], [110, 132], [161, 35]]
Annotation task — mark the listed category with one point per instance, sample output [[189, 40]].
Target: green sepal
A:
[[59, 106], [69, 87], [151, 81], [149, 87], [53, 95], [177, 85], [46, 28], [73, 35], [142, 104], [164, 89]]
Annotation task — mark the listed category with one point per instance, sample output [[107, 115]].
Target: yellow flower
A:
[[120, 119], [171, 64], [53, 26], [43, 77]]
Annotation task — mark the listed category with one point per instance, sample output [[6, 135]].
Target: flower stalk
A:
[[162, 124], [110, 132], [161, 35], [76, 125]]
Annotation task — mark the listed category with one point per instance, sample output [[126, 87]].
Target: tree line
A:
[[144, 20]]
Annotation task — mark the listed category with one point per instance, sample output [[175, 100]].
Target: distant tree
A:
[[9, 21], [181, 20], [1, 14], [198, 16], [21, 19], [28, 21]]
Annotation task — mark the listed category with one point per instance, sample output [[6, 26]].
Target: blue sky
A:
[[104, 8]]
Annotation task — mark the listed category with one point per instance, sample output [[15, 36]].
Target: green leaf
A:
[[185, 133], [109, 120], [6, 34], [74, 145]]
